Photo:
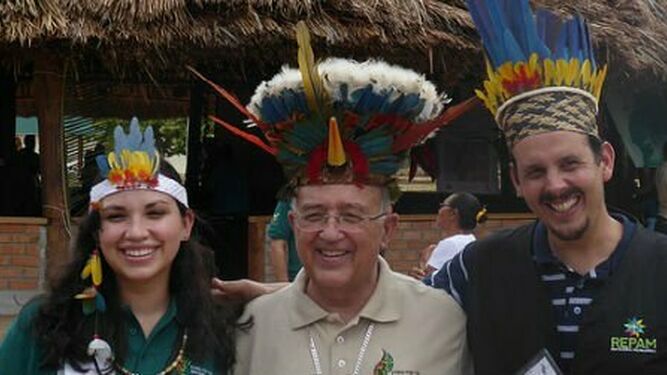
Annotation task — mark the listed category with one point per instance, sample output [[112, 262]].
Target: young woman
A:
[[149, 310], [458, 216]]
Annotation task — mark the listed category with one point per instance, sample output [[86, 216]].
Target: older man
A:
[[347, 312], [582, 290]]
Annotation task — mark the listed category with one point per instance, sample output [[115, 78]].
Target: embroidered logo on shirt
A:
[[386, 366], [634, 342]]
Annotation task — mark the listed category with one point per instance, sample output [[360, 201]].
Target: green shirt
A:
[[20, 352], [280, 229]]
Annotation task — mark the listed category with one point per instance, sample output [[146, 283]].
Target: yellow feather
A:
[[549, 72], [506, 71], [113, 164], [599, 81], [572, 70], [489, 69], [86, 270], [532, 62], [586, 75], [312, 82], [561, 72], [96, 266]]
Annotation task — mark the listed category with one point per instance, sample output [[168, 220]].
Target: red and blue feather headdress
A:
[[342, 121]]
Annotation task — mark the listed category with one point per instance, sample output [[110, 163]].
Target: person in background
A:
[[26, 200], [347, 312], [458, 216], [135, 298], [582, 289], [284, 257], [661, 188]]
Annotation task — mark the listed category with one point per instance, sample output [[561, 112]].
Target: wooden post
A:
[[7, 136], [193, 167], [49, 91]]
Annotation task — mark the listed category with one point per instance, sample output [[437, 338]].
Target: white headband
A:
[[164, 184]]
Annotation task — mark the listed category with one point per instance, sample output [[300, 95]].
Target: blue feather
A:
[[405, 105], [376, 102], [512, 48], [300, 102], [269, 112], [100, 303], [307, 135], [589, 46], [533, 41], [149, 141], [134, 138], [359, 99], [387, 166], [119, 140], [102, 165], [560, 47], [573, 37]]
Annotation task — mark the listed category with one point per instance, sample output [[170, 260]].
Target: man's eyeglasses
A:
[[346, 222]]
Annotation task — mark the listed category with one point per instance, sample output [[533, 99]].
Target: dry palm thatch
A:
[[632, 33], [163, 33]]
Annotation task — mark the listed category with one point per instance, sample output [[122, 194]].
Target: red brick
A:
[[26, 237], [4, 260], [31, 272], [25, 260], [9, 272], [11, 248], [411, 235], [4, 284], [6, 238], [11, 228], [22, 284]]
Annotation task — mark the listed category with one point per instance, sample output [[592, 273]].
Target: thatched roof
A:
[[134, 34], [631, 33]]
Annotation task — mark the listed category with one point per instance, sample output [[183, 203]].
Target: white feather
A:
[[336, 71]]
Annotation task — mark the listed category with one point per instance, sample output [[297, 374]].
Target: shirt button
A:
[[577, 310], [341, 363], [340, 339]]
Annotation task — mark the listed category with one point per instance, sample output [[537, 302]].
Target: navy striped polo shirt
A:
[[570, 293]]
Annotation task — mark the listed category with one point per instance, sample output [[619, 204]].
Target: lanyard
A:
[[315, 355]]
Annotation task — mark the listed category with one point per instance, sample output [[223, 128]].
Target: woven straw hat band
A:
[[548, 111]]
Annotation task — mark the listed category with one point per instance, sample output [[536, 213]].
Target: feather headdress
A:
[[541, 70], [134, 164], [342, 121]]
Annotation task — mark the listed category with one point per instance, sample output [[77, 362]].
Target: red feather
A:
[[360, 166], [231, 99], [248, 137], [317, 159]]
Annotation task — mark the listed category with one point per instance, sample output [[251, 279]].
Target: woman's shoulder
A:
[[29, 311]]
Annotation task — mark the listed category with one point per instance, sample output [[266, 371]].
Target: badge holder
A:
[[541, 364]]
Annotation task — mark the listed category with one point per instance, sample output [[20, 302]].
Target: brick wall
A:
[[22, 265], [414, 233]]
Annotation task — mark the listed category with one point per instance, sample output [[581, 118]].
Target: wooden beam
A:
[[193, 168], [48, 87]]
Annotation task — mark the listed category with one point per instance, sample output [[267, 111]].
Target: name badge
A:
[[541, 364]]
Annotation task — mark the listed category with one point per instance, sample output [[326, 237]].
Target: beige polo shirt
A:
[[418, 330]]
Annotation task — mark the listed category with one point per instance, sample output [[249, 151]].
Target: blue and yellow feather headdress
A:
[[134, 164], [339, 120], [541, 70]]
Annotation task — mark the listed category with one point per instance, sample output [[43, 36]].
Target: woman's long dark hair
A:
[[64, 331]]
